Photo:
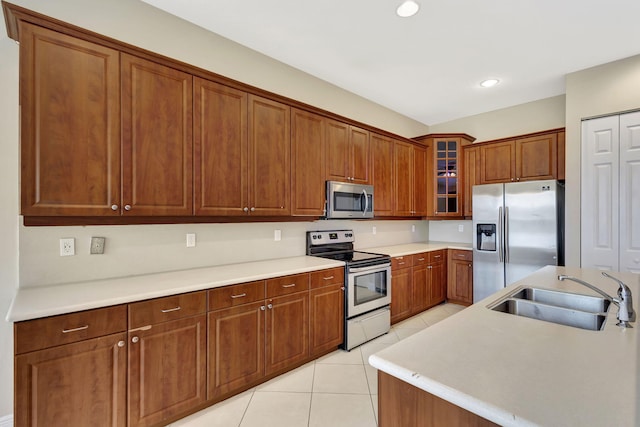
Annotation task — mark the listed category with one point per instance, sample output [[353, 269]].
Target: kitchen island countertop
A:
[[516, 371]]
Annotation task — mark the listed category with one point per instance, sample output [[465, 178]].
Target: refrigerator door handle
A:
[[506, 234], [501, 235]]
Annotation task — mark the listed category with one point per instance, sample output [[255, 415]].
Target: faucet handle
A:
[[625, 300]]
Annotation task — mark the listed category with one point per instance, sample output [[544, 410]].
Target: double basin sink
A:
[[564, 308]]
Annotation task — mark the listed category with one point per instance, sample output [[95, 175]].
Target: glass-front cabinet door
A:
[[444, 172]]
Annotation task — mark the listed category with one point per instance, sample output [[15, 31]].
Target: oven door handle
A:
[[371, 268]]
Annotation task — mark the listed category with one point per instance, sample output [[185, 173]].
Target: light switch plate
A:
[[97, 246], [191, 240], [277, 235]]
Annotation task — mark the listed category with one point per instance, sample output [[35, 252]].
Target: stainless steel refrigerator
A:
[[518, 228]]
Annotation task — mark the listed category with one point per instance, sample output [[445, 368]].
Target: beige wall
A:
[[606, 89], [533, 116]]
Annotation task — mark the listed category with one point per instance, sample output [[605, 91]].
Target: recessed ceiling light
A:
[[407, 8], [489, 82]]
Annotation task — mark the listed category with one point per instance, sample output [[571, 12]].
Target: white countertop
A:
[[517, 371], [415, 248], [32, 303]]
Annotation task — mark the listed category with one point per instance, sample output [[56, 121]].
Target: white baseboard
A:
[[6, 421]]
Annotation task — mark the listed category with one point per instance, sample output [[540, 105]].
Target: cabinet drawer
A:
[[233, 295], [67, 328], [461, 255], [436, 256], [334, 276], [420, 259], [401, 262], [166, 308], [287, 285]]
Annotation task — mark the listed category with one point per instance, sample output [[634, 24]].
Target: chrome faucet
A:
[[624, 300]]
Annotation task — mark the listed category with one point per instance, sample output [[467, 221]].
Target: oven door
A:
[[368, 288]]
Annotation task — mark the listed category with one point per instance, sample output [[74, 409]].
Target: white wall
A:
[[140, 249], [449, 231], [8, 211], [531, 117], [606, 89]]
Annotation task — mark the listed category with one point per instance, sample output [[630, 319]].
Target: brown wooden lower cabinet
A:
[[79, 384], [400, 404], [401, 288], [460, 277], [180, 354]]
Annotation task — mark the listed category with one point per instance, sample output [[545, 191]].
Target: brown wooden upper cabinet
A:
[[347, 153], [445, 173], [410, 196], [308, 163], [525, 159], [382, 174], [241, 152], [157, 141], [70, 125], [470, 176]]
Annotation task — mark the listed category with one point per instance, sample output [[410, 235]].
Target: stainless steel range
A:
[[368, 285]]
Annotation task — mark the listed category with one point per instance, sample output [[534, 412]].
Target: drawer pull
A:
[[239, 296], [437, 256], [327, 278], [420, 259], [81, 328], [169, 310], [289, 286], [401, 263]]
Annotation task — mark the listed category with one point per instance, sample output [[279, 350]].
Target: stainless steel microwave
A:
[[347, 200]]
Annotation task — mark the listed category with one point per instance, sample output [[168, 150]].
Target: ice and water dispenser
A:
[[486, 237]]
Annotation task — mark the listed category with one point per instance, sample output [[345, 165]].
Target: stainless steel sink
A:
[[564, 308], [589, 303]]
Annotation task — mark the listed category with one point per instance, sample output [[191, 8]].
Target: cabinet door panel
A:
[[337, 146], [497, 162], [308, 163], [326, 318], [220, 149], [460, 278], [269, 157], [420, 289], [359, 147], [287, 341], [382, 174], [403, 165], [156, 138], [420, 192], [537, 158], [438, 283], [80, 384], [236, 348], [470, 177], [401, 294], [70, 129], [167, 370]]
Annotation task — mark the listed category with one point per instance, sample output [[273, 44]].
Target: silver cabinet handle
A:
[[430, 267], [135, 339], [169, 310], [437, 256], [327, 278], [342, 288], [239, 295], [401, 263], [252, 209], [120, 343], [245, 209], [127, 207], [289, 286], [114, 207], [269, 306], [262, 307], [81, 328], [420, 259]]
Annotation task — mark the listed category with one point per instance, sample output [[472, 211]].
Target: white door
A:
[[630, 192], [610, 220]]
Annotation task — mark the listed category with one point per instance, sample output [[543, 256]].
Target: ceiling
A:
[[428, 67]]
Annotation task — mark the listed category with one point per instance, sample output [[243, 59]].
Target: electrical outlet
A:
[[374, 230], [461, 228], [277, 235], [191, 240], [413, 228], [97, 246], [67, 246]]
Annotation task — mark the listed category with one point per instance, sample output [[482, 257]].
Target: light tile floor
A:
[[339, 389]]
